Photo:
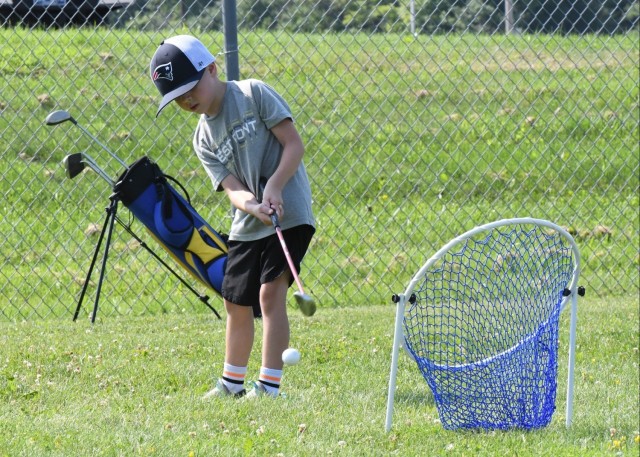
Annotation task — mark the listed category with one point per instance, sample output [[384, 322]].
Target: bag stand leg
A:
[[108, 223], [203, 298]]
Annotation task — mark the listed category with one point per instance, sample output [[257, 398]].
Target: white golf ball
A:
[[290, 356]]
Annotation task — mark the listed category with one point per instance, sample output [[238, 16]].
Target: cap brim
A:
[[183, 89]]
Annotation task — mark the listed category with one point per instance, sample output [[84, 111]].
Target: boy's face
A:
[[201, 98]]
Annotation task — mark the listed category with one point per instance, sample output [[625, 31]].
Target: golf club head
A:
[[73, 164], [306, 304], [58, 117]]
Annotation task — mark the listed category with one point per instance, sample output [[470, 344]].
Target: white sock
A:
[[270, 380], [233, 377]]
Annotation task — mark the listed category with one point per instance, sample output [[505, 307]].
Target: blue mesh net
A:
[[482, 326]]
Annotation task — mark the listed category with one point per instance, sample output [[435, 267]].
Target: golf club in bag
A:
[[168, 216]]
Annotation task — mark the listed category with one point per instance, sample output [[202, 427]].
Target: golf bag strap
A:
[[179, 184], [172, 218]]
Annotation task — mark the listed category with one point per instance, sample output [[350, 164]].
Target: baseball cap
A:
[[177, 66]]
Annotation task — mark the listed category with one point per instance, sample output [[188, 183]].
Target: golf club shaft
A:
[[92, 164], [292, 267], [276, 225], [86, 132]]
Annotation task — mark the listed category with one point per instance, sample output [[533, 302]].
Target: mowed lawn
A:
[[513, 126], [133, 386]]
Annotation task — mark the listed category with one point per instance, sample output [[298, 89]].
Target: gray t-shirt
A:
[[238, 141]]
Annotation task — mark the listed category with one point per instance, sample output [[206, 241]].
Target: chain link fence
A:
[[420, 119]]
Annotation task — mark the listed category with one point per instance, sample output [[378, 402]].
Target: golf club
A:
[[306, 304], [60, 116], [75, 163]]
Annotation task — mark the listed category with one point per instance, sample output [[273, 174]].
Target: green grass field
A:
[[132, 386], [410, 142]]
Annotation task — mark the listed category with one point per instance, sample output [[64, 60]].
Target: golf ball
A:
[[290, 356]]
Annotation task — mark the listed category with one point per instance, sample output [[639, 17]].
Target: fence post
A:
[[230, 24], [508, 17]]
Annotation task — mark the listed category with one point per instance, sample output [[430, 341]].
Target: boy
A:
[[245, 139]]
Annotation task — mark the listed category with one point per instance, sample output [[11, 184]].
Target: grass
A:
[[410, 142], [132, 386]]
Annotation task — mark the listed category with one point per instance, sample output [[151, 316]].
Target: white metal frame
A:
[[398, 338]]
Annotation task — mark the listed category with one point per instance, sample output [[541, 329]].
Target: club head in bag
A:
[[58, 117], [306, 304], [73, 164]]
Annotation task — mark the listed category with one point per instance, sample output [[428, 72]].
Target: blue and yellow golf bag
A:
[[172, 221]]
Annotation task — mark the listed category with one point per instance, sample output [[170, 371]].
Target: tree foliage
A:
[[379, 16]]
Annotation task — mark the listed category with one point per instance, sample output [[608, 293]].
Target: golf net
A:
[[482, 325]]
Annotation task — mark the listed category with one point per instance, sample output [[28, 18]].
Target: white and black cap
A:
[[177, 66]]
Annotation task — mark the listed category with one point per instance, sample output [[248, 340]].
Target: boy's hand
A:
[[272, 201], [246, 201], [263, 212]]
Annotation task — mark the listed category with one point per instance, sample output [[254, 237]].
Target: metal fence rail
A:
[[420, 119]]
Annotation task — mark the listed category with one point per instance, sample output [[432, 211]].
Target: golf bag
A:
[[170, 219], [173, 222]]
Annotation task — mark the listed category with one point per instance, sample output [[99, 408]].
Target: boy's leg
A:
[[240, 289], [276, 279], [238, 344], [273, 299], [275, 339], [239, 334]]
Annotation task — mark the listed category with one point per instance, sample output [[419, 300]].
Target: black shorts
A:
[[253, 263]]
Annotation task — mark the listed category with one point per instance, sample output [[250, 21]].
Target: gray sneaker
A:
[[220, 390], [258, 390]]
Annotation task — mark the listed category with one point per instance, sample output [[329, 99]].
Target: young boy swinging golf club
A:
[[250, 148]]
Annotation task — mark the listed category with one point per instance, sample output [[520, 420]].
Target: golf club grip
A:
[[274, 219]]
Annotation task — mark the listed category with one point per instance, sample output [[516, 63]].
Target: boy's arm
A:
[[243, 199], [292, 152]]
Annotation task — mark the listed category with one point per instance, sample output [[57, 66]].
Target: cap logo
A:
[[164, 71]]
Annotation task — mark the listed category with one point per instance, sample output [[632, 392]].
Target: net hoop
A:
[[482, 228]]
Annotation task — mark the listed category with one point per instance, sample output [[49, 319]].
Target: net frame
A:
[[402, 300]]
